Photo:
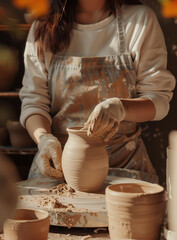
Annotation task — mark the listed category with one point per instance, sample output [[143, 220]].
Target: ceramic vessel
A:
[[9, 66], [135, 210], [3, 136], [7, 111], [84, 161], [29, 18], [19, 136], [27, 224]]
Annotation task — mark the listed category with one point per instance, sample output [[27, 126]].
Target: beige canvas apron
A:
[[78, 84]]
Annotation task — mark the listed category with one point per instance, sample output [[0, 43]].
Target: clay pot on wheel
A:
[[19, 136], [84, 161], [135, 210], [27, 224]]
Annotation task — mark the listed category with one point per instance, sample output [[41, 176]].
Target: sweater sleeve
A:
[[148, 48], [34, 93]]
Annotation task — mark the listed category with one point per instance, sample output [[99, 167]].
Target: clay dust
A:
[[64, 212]]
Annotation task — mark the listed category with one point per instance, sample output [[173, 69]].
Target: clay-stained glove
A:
[[49, 157], [105, 118]]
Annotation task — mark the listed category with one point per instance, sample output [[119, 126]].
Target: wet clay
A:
[[84, 161], [135, 211], [27, 224]]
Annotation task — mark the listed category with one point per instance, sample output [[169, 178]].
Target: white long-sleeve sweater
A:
[[144, 40]]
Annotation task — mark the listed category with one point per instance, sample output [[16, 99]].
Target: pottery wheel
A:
[[66, 207]]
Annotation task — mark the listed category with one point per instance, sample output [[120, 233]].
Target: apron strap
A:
[[121, 33]]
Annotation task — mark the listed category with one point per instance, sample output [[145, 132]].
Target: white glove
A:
[[105, 119], [49, 157]]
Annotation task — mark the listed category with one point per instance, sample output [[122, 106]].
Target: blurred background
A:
[[14, 27]]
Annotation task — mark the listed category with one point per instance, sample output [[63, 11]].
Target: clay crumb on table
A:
[[63, 189]]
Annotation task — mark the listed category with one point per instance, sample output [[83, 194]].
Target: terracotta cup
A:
[[27, 224], [84, 161], [135, 210]]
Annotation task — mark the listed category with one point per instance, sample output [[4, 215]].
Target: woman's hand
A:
[[107, 115], [49, 157], [105, 118]]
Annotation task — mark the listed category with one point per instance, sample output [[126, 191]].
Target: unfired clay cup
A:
[[135, 210], [27, 224]]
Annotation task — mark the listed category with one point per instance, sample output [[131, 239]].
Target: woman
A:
[[100, 64]]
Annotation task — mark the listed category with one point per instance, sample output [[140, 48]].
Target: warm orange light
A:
[[36, 7], [169, 9]]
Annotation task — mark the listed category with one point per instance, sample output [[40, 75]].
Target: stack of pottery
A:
[[27, 224], [84, 161], [19, 136], [135, 210]]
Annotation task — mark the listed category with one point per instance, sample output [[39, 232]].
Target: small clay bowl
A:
[[19, 136], [27, 224]]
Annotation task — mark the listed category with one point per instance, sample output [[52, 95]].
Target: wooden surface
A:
[[12, 150], [16, 26], [9, 94]]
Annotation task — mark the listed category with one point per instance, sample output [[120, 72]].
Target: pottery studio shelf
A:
[[21, 151], [9, 94], [11, 27]]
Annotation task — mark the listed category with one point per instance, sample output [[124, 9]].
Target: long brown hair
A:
[[55, 28]]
